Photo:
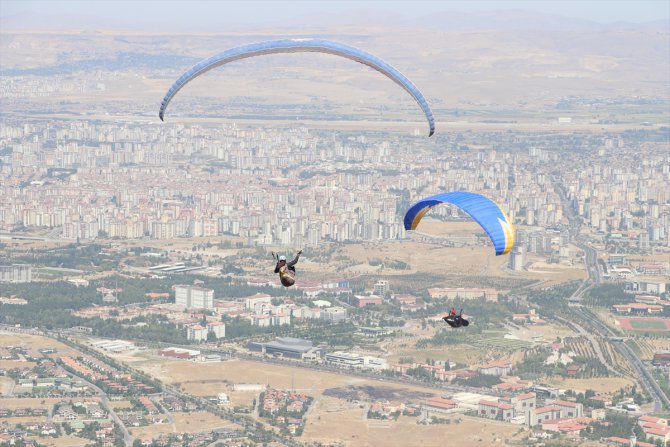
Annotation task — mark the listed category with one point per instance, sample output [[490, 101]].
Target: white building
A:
[[260, 320], [321, 303], [381, 288], [256, 300], [281, 318], [334, 314], [345, 359], [193, 297], [196, 333], [218, 328], [516, 259], [355, 360], [16, 273]]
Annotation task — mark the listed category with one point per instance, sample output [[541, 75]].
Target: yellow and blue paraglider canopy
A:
[[485, 212]]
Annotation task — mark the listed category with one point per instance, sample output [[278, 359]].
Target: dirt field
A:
[[151, 431], [608, 385], [6, 384], [120, 404], [30, 341], [454, 353], [555, 272], [649, 346], [549, 332], [24, 420], [16, 364], [27, 403], [63, 441], [183, 423], [241, 398], [191, 374], [330, 419], [194, 422], [425, 257]]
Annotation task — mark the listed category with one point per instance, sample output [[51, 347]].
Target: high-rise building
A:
[[16, 273], [565, 238], [193, 297], [535, 243], [516, 259], [381, 288], [196, 333], [644, 241], [218, 328]]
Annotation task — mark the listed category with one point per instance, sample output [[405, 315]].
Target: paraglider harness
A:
[[455, 320], [286, 271]]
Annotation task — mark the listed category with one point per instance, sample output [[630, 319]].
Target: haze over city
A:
[[258, 266]]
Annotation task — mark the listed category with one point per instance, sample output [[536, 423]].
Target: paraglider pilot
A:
[[285, 269], [456, 320]]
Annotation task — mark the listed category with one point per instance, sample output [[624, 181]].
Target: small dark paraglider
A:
[[456, 320], [285, 269]]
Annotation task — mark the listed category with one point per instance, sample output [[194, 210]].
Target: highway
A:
[[644, 375], [593, 324]]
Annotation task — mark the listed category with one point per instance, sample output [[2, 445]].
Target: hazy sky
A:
[[213, 15]]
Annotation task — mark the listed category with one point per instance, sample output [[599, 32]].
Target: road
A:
[[104, 400], [250, 427], [593, 324], [594, 342], [645, 377]]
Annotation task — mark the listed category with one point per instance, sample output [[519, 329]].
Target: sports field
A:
[[645, 324]]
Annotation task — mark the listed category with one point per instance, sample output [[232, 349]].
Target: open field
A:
[[237, 398], [424, 257], [648, 346], [555, 273], [548, 332], [14, 403], [24, 420], [644, 324], [199, 421], [497, 340], [62, 441], [150, 431], [608, 385], [451, 263], [6, 384], [120, 404], [31, 341], [459, 353], [658, 257], [11, 364], [330, 419], [186, 373], [183, 423]]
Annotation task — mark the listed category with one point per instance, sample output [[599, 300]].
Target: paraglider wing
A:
[[486, 213], [297, 46]]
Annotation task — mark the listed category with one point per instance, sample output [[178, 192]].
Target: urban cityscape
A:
[[142, 300]]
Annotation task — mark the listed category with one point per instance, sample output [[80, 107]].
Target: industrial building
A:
[[296, 348]]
